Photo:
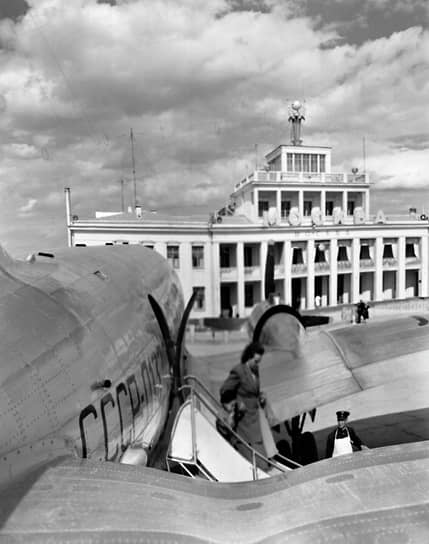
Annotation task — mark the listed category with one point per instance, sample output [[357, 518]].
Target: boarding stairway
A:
[[198, 450]]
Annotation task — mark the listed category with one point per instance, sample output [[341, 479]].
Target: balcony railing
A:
[[229, 273], [300, 177], [344, 265], [366, 263], [412, 260], [390, 262], [252, 272], [321, 266], [299, 268]]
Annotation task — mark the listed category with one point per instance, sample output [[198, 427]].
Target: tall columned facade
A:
[[329, 248]]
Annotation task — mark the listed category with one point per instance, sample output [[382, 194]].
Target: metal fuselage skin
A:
[[83, 366]]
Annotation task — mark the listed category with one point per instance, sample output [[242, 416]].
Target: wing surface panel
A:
[[381, 340], [311, 375], [331, 364], [357, 498]]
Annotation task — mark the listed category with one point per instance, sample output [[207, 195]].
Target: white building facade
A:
[[328, 248]]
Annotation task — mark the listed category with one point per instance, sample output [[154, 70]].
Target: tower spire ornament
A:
[[296, 112]]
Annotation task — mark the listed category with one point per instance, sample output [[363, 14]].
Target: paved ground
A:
[[212, 358]]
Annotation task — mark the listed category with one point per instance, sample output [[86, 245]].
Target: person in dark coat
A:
[[362, 311], [228, 417], [243, 384], [343, 439]]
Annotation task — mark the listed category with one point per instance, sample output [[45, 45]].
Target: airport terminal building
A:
[[329, 248]]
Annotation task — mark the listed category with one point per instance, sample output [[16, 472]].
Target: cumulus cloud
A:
[[28, 207], [21, 151], [205, 90]]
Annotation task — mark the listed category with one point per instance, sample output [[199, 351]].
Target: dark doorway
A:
[[225, 300], [296, 293]]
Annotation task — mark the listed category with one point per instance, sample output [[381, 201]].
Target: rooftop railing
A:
[[303, 177]]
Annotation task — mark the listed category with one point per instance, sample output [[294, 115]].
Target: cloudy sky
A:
[[205, 87]]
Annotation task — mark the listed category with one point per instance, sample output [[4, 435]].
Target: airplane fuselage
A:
[[83, 366]]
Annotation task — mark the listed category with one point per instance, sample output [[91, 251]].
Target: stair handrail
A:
[[286, 460], [254, 453], [206, 390], [282, 467]]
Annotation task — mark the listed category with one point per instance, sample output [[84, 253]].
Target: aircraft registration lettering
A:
[[120, 388], [88, 410], [135, 399], [132, 398], [107, 399]]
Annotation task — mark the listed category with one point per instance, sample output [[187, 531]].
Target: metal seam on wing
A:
[[343, 357]]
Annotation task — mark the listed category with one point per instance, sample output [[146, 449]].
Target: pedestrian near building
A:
[[343, 439], [243, 384], [362, 311]]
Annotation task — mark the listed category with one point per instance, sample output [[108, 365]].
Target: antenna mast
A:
[[122, 196], [133, 161], [364, 154]]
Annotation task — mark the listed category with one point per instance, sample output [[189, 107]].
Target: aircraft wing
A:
[[315, 368], [376, 496]]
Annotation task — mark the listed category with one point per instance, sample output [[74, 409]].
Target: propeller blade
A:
[[174, 349], [163, 325], [273, 310], [181, 335], [270, 286]]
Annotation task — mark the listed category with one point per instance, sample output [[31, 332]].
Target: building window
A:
[[313, 163], [248, 256], [285, 208], [350, 207], [248, 295], [289, 162], [364, 253], [322, 163], [297, 257], [197, 256], [308, 204], [200, 299], [306, 162], [263, 206], [173, 256], [320, 256], [388, 251], [225, 257], [298, 162], [329, 207], [342, 254], [410, 251]]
